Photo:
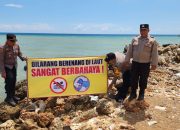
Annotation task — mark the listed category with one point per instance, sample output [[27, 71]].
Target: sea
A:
[[44, 45]]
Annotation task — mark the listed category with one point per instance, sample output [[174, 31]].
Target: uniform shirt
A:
[[120, 57], [8, 56], [143, 50]]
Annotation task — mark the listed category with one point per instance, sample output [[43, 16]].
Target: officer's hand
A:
[[125, 65], [110, 86], [25, 58], [3, 75], [153, 67]]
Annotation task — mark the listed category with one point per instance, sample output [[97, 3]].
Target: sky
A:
[[89, 16]]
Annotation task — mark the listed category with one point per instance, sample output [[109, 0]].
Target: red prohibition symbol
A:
[[58, 85]]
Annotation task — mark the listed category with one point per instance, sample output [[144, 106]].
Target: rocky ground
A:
[[159, 111]]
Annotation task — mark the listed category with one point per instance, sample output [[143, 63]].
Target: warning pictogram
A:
[[58, 85], [81, 84]]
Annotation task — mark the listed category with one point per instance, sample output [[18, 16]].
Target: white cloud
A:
[[101, 28], [38, 27], [14, 5]]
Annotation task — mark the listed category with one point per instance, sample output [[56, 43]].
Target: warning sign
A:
[[52, 77]]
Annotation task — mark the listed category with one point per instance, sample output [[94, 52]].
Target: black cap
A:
[[144, 26], [110, 56], [11, 36]]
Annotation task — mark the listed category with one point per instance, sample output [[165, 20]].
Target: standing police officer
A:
[[143, 51], [8, 65]]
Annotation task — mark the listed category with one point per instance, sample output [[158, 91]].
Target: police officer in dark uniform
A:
[[144, 53], [8, 65]]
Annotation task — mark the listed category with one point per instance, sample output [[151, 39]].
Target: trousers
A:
[[10, 82], [123, 90], [140, 74]]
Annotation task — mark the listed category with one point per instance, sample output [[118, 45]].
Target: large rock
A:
[[8, 112], [162, 60], [8, 125], [56, 124], [105, 107]]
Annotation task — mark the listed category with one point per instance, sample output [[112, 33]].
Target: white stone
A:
[[160, 108], [150, 123]]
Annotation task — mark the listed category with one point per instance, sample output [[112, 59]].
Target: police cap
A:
[[144, 26]]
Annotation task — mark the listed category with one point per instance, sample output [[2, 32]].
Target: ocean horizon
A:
[[54, 45]]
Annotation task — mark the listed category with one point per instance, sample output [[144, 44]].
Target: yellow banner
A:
[[52, 77]]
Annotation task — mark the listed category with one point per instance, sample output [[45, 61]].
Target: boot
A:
[[10, 101], [133, 95], [16, 99], [141, 95]]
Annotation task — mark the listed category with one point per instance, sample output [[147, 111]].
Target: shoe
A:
[[16, 98], [10, 101], [141, 96], [119, 98], [120, 101], [132, 96]]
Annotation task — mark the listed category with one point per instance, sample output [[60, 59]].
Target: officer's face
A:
[[11, 42], [112, 62], [144, 32]]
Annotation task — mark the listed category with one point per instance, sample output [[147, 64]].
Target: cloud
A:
[[14, 5], [101, 28], [38, 27]]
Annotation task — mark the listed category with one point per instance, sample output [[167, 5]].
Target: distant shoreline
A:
[[76, 34]]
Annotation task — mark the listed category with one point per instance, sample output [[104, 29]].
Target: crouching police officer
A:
[[143, 51], [116, 60], [8, 65]]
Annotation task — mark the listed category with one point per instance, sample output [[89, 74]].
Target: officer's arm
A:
[[2, 69], [20, 55], [129, 53], [154, 56]]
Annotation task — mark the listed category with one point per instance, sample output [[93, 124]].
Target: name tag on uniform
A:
[[148, 44]]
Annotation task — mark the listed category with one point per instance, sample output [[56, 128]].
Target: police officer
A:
[[116, 60], [144, 53], [8, 65]]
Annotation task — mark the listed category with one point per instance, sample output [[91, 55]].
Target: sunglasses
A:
[[13, 40]]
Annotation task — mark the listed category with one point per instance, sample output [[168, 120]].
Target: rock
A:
[[28, 115], [135, 106], [161, 60], [166, 49], [105, 107], [94, 98], [126, 126], [60, 101], [85, 116], [170, 53], [45, 119], [68, 107], [29, 124], [173, 47], [8, 112], [51, 102], [56, 124], [21, 89], [150, 123], [160, 108], [178, 51], [8, 125]]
